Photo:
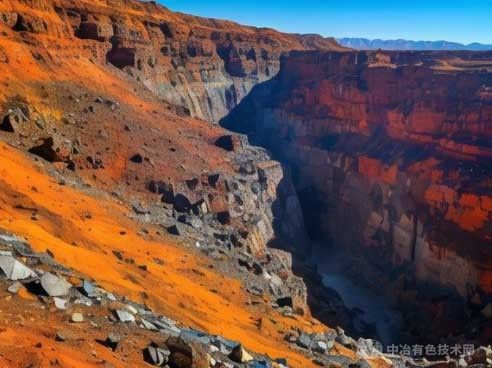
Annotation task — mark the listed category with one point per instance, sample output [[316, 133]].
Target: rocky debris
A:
[[15, 270], [174, 230], [15, 287], [317, 343], [130, 308], [186, 347], [186, 354], [223, 345], [481, 356], [222, 215], [320, 347], [148, 325], [60, 303], [112, 341], [255, 290], [88, 288], [17, 243], [52, 150], [136, 158], [304, 341], [124, 316], [345, 340], [95, 163], [60, 337], [156, 356], [162, 188], [192, 221], [54, 285], [367, 348], [191, 335], [14, 119], [139, 209], [182, 203]]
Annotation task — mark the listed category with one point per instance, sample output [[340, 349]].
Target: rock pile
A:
[[182, 347]]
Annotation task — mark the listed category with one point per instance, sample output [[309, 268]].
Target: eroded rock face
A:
[[242, 215], [204, 65], [391, 154]]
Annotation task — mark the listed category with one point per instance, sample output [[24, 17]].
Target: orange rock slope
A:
[[82, 231]]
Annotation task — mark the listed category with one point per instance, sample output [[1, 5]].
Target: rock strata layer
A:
[[202, 66]]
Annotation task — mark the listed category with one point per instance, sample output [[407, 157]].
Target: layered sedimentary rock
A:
[[205, 66], [391, 154]]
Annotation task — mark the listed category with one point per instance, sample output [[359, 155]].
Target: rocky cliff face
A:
[[391, 156], [204, 66]]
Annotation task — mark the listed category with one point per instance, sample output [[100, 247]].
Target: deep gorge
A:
[[390, 156]]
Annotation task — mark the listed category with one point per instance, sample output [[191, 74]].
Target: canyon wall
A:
[[391, 154], [203, 66]]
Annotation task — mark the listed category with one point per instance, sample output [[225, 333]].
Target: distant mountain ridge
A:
[[366, 44]]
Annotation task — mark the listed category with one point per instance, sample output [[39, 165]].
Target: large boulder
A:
[[187, 354], [231, 143], [52, 149], [54, 285], [240, 355], [156, 356], [14, 120], [14, 270]]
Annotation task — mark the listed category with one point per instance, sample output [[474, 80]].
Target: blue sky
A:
[[453, 20]]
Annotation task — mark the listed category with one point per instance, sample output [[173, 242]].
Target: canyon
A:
[[116, 176], [390, 153]]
